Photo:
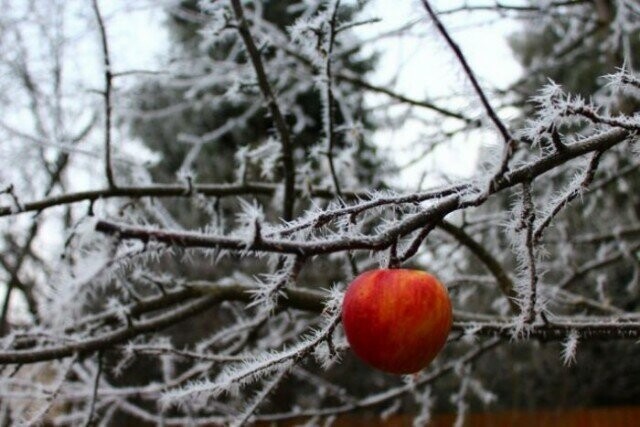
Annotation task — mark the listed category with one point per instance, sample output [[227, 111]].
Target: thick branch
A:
[[382, 240], [309, 301], [304, 300]]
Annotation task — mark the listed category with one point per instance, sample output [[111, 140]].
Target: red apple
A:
[[396, 320]]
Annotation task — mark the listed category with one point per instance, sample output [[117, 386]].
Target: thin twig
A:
[[589, 174], [14, 279], [356, 81], [195, 304], [37, 418], [505, 282], [271, 385], [390, 394], [416, 242], [502, 7], [352, 78], [469, 72], [595, 264], [330, 118], [108, 80], [528, 220], [94, 395]]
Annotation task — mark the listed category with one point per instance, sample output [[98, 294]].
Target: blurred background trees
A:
[[577, 50], [187, 294]]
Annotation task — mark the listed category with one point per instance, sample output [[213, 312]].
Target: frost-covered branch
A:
[[589, 174], [274, 108], [168, 190], [440, 208], [203, 295], [268, 154]]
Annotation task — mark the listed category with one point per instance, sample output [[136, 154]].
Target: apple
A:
[[396, 320]]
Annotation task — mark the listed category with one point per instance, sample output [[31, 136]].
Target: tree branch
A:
[[382, 240], [278, 118], [169, 190], [502, 278], [108, 108], [307, 300], [469, 72]]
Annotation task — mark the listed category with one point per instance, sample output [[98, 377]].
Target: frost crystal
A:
[[569, 348], [266, 155]]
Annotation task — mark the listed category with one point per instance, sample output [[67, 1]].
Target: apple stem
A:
[[394, 261]]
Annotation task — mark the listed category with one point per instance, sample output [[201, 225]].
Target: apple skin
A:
[[396, 320]]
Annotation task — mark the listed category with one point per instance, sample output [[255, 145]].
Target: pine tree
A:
[[208, 109]]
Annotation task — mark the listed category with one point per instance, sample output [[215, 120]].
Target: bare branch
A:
[[94, 396], [108, 108], [502, 278], [506, 135]]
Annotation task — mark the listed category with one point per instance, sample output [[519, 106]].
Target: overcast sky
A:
[[427, 69]]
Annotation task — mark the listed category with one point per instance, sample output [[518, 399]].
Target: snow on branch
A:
[[254, 173]]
